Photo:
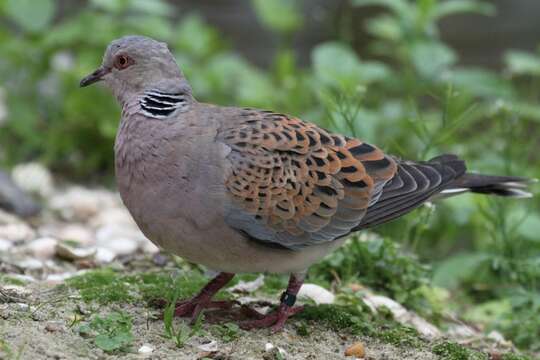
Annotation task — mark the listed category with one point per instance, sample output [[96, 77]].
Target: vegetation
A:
[[110, 333], [410, 95]]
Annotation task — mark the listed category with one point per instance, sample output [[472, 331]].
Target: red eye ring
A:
[[122, 61]]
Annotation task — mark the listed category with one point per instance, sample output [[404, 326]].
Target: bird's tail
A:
[[511, 186]]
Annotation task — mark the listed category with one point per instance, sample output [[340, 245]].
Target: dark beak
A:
[[94, 77]]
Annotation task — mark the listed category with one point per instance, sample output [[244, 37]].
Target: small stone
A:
[[17, 232], [316, 293], [211, 346], [67, 252], [104, 255], [149, 247], [113, 216], [77, 203], [106, 233], [357, 350], [5, 245], [13, 293], [159, 259], [145, 349], [121, 246], [78, 233], [43, 248], [273, 352], [30, 264], [53, 327], [247, 286], [33, 178]]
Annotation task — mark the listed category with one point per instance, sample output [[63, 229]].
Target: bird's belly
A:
[[221, 248]]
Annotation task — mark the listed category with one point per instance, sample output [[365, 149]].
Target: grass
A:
[[9, 280], [111, 333], [106, 286]]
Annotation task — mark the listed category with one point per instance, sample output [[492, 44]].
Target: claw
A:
[[275, 320]]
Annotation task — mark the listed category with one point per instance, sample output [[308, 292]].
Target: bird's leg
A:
[[276, 320], [203, 300]]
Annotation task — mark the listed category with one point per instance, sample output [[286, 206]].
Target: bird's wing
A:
[[294, 184], [413, 184]]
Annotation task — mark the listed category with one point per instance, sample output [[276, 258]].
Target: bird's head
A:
[[133, 64]]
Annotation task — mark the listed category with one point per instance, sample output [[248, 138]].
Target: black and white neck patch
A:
[[159, 105]]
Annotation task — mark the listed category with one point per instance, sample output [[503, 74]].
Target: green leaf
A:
[[522, 63], [282, 16], [32, 16], [530, 227], [401, 8], [431, 58], [450, 272], [446, 8], [336, 64], [481, 82]]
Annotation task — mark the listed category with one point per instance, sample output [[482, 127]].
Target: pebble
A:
[[402, 315], [53, 327], [5, 245], [43, 248], [11, 293], [247, 286], [67, 252], [104, 255], [211, 346], [145, 349], [16, 232], [78, 233], [316, 293], [113, 216], [357, 350], [77, 203], [30, 264], [33, 178], [149, 247], [121, 246], [274, 352]]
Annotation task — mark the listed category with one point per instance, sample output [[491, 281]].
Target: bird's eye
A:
[[122, 61]]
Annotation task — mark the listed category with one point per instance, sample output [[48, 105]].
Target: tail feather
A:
[[511, 186]]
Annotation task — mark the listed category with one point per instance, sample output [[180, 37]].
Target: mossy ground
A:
[[59, 321]]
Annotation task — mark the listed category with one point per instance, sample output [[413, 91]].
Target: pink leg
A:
[[203, 300], [276, 320]]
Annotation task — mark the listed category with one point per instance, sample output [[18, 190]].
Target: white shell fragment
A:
[[211, 346], [247, 286], [316, 293], [70, 253], [402, 315], [145, 349]]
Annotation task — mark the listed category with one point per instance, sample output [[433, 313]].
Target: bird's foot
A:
[[274, 320], [193, 307]]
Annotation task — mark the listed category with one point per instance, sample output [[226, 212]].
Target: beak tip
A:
[[94, 77]]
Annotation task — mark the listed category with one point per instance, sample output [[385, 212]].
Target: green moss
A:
[[107, 286], [336, 317], [6, 279], [400, 335], [103, 286], [451, 351], [512, 356]]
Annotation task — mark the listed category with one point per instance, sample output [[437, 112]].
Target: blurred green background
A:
[[417, 78]]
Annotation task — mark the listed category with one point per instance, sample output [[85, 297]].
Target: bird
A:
[[242, 190]]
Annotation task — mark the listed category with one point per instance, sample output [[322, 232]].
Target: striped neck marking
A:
[[158, 105]]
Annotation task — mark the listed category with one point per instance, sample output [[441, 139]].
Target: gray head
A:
[[133, 64]]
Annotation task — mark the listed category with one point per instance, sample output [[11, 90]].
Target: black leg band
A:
[[288, 299]]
